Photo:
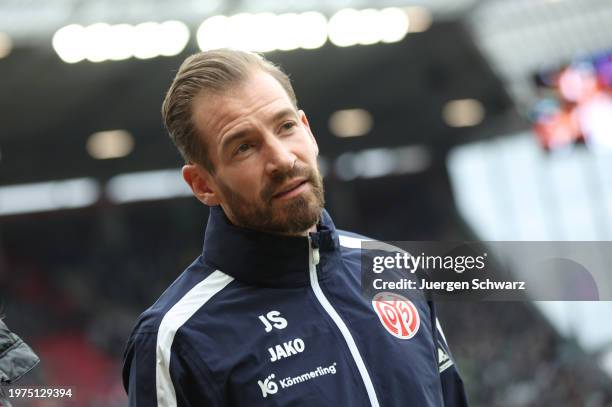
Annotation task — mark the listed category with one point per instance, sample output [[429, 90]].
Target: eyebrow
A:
[[228, 140], [285, 112]]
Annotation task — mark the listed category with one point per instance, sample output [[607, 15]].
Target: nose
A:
[[279, 156]]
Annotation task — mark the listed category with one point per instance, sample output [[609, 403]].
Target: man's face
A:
[[264, 155]]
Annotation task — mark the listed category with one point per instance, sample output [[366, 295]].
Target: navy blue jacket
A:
[[262, 319]]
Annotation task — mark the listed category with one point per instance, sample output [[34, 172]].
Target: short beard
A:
[[295, 216]]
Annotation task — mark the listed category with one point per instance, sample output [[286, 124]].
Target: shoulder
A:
[[159, 331], [195, 288], [354, 247], [351, 240]]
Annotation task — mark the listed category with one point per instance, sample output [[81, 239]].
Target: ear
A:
[[201, 184], [304, 121]]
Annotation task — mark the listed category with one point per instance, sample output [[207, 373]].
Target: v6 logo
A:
[[268, 386]]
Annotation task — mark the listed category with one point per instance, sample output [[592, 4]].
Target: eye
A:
[[288, 126], [243, 148]]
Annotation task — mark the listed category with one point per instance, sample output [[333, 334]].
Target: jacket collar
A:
[[266, 259]]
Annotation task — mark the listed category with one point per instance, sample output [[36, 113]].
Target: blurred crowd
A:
[[510, 355]]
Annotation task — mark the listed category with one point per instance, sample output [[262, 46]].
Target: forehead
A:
[[258, 95]]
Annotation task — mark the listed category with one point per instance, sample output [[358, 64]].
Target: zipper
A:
[[313, 261]]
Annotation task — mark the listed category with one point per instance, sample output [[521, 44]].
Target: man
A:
[[271, 313]]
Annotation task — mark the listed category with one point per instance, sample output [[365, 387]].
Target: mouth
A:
[[291, 190]]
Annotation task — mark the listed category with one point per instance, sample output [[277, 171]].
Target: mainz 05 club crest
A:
[[397, 314]]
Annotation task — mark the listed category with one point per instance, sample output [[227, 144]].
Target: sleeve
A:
[[139, 370], [16, 357], [452, 385], [194, 384], [188, 385]]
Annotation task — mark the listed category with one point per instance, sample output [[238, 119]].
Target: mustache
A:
[[278, 179]]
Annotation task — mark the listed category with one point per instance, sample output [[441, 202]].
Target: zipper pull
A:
[[315, 256], [314, 249]]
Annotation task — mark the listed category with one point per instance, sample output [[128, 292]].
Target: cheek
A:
[[243, 182], [307, 149], [311, 153]]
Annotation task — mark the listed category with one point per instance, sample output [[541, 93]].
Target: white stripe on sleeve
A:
[[351, 242], [355, 243], [172, 321], [441, 331]]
